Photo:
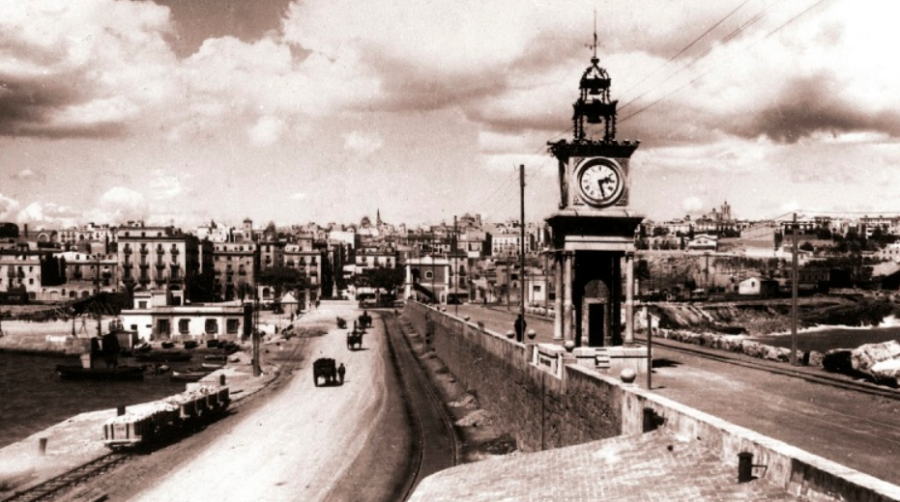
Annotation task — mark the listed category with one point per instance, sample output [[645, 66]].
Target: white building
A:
[[152, 320]]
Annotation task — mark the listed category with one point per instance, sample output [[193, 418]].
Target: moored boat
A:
[[189, 375], [163, 356], [78, 372]]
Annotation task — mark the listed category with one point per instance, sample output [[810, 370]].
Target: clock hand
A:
[[600, 186]]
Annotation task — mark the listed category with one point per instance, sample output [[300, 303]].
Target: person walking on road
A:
[[519, 327], [341, 370]]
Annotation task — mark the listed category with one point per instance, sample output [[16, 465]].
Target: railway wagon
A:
[[166, 418]]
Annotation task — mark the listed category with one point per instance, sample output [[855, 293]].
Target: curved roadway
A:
[[300, 443]]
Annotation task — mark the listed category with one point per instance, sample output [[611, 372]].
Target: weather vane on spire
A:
[[593, 46]]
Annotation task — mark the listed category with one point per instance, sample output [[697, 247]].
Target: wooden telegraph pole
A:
[[794, 288], [522, 247]]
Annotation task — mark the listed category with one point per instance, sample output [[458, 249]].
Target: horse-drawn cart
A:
[[354, 340], [325, 368]]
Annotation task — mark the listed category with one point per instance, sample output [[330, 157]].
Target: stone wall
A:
[[544, 411], [539, 409]]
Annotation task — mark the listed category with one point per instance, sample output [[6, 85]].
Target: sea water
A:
[[33, 397]]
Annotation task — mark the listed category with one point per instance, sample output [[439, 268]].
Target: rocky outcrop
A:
[[769, 316], [736, 343]]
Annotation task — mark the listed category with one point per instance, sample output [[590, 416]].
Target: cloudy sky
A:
[[183, 111]]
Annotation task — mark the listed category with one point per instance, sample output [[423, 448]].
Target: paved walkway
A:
[[657, 466]]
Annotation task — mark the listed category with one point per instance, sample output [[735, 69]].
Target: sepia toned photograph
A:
[[386, 251]]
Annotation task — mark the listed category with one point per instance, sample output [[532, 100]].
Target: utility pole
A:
[[455, 273], [522, 247], [255, 335], [794, 288]]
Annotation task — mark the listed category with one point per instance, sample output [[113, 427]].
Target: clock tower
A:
[[593, 230]]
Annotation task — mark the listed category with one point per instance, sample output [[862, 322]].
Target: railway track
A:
[[437, 442], [780, 369], [52, 488]]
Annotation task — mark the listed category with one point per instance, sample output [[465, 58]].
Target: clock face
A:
[[600, 182]]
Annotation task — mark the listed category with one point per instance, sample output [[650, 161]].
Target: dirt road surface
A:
[[298, 444]]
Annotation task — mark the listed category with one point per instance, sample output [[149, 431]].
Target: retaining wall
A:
[[545, 411]]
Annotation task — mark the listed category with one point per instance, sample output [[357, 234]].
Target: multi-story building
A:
[[271, 254], [90, 273], [234, 269], [88, 238], [20, 271], [158, 258], [308, 260]]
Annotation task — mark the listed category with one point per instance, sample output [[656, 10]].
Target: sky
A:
[[186, 111]]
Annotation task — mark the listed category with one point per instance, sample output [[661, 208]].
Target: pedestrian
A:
[[341, 371], [520, 327]]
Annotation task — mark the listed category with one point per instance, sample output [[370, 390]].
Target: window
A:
[[184, 326], [429, 275], [142, 304], [212, 326], [232, 326]]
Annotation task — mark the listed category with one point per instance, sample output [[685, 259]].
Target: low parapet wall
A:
[[546, 411]]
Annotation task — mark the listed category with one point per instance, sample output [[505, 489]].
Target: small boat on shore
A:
[[188, 375], [118, 373]]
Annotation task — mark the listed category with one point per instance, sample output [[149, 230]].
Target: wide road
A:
[[297, 445], [857, 430]]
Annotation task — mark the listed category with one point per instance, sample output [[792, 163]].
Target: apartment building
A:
[[234, 268], [158, 258]]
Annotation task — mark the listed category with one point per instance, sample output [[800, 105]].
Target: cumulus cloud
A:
[[692, 204], [363, 144], [47, 213], [79, 68], [8, 207], [165, 185], [267, 131], [117, 205]]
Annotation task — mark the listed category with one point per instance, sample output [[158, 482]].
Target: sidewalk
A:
[[857, 430]]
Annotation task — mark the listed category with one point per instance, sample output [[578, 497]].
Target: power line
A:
[[688, 46], [737, 31], [695, 79]]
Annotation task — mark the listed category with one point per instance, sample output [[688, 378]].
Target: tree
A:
[[381, 278], [283, 279]]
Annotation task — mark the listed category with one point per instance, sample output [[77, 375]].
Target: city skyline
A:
[[181, 112]]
